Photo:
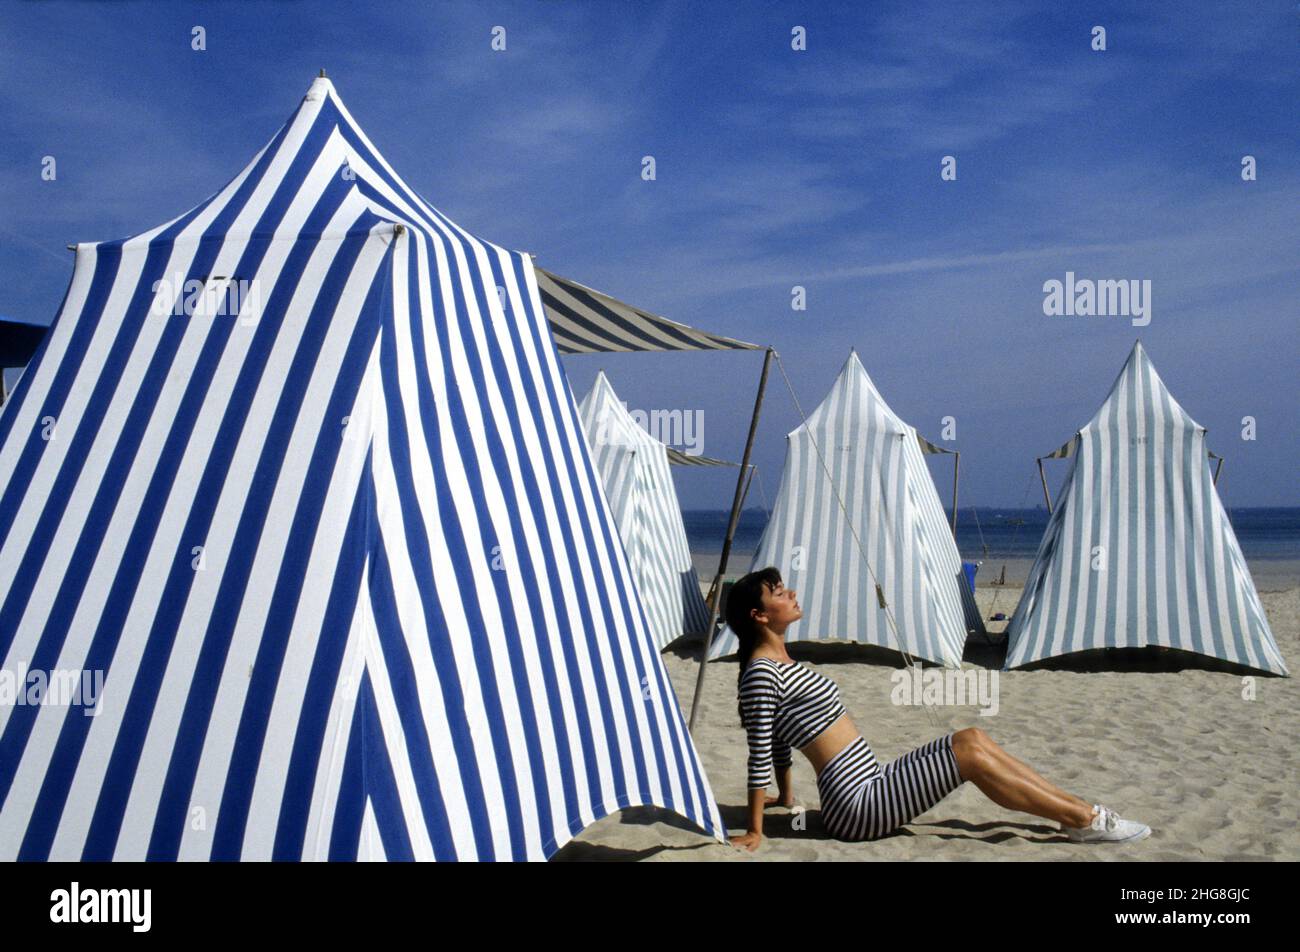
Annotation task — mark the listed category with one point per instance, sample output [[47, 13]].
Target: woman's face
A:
[[781, 607]]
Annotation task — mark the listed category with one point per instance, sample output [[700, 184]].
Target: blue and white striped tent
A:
[[639, 486], [891, 524], [340, 551], [1139, 550]]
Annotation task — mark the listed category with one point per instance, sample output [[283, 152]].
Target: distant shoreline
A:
[[1269, 537], [1270, 573]]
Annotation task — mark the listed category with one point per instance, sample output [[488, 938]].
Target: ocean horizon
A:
[[986, 532]]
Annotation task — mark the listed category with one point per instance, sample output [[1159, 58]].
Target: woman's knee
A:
[[972, 737], [973, 749]]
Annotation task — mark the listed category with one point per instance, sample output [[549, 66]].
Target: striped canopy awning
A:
[[929, 448], [586, 321], [678, 458]]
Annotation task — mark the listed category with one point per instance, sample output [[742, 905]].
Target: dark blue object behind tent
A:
[[18, 341]]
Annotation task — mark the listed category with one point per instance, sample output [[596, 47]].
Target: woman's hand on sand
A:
[[747, 841]]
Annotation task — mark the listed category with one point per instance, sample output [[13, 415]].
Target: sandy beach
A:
[[1213, 774]]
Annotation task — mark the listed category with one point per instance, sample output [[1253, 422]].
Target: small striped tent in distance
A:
[[856, 505], [1139, 551], [638, 481]]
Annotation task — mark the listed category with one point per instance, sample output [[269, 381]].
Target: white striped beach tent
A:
[[1138, 550], [338, 547], [891, 524], [638, 480]]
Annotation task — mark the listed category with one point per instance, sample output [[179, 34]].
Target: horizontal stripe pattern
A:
[[638, 483], [342, 557], [1139, 550], [678, 458], [783, 706], [877, 470], [860, 801], [585, 321], [930, 448]]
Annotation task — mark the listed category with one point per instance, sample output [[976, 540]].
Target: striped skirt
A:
[[862, 802]]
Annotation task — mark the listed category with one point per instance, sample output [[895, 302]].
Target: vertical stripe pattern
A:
[[634, 469], [341, 556], [878, 471], [1139, 550]]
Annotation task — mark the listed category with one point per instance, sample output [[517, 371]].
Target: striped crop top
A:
[[783, 706]]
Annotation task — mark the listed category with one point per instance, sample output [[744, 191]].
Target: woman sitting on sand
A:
[[784, 705]]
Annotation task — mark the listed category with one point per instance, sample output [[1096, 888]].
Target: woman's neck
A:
[[771, 644]]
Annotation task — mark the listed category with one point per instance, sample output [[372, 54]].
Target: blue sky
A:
[[775, 168]]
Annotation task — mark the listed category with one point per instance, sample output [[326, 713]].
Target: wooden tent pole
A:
[[749, 481], [741, 488], [1217, 466], [956, 465], [1043, 477]]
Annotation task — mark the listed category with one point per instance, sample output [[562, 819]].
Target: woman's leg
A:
[[908, 787], [1011, 784], [1029, 774]]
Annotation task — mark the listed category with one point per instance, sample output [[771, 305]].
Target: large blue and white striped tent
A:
[[877, 512], [1139, 550], [638, 483], [340, 552]]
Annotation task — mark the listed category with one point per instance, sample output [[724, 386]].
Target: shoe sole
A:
[[1128, 839]]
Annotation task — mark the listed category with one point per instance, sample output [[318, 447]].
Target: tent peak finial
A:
[[320, 88]]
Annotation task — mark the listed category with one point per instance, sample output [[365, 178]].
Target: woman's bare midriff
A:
[[830, 742]]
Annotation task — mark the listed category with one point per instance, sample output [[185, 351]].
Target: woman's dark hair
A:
[[745, 596]]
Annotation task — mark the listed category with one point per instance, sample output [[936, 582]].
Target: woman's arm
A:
[[784, 786], [759, 697], [757, 800]]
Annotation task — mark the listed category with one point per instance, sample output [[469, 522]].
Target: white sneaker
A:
[[1108, 827]]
